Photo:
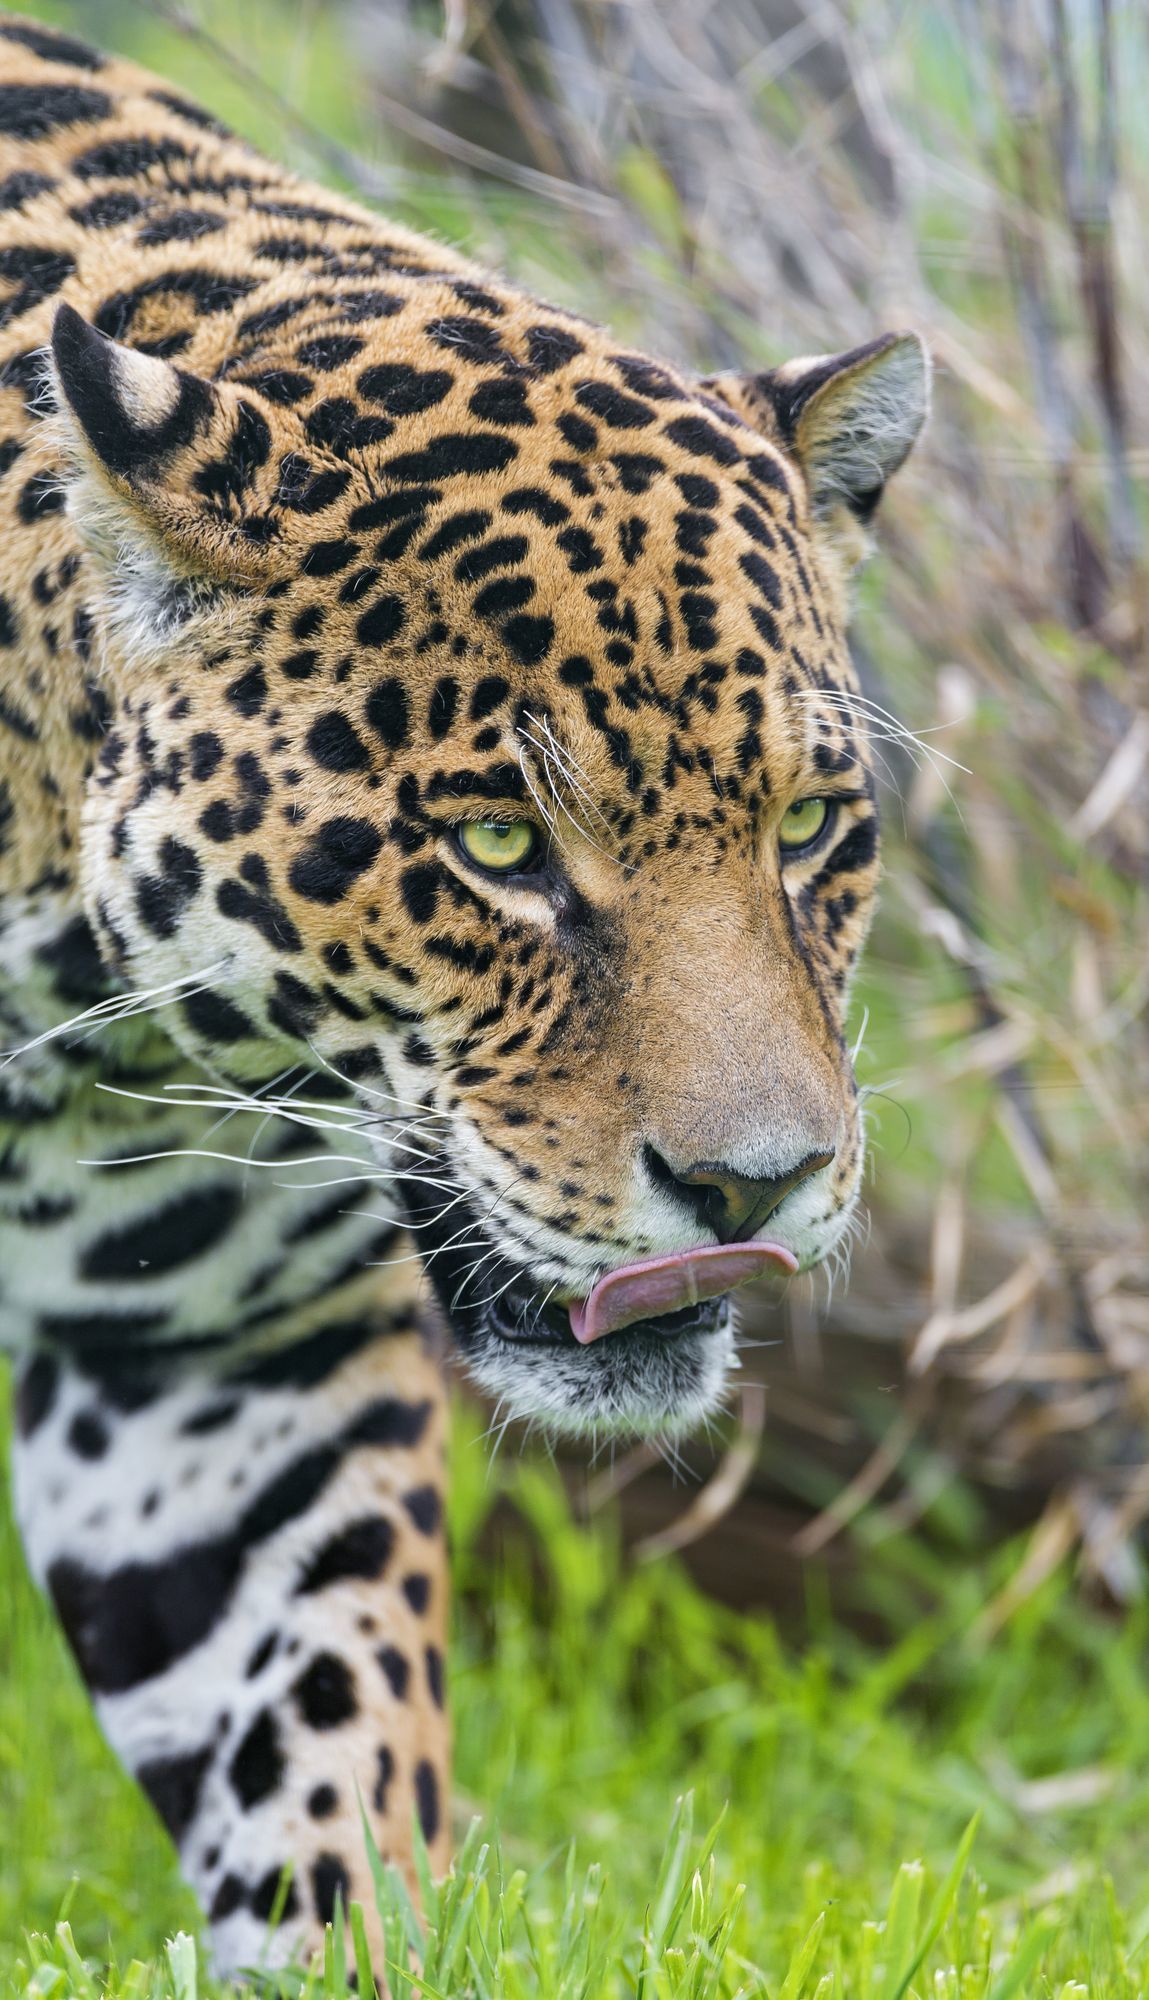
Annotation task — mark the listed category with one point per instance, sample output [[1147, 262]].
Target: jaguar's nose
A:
[[733, 1205]]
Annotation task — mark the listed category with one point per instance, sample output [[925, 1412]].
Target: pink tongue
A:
[[665, 1284]]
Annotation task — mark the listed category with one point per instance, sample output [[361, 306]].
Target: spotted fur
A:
[[318, 541]]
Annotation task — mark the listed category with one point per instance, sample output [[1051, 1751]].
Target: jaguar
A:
[[438, 829]]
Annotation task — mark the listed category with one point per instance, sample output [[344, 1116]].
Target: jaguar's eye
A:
[[501, 846], [802, 823]]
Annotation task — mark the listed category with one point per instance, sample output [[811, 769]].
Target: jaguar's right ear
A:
[[175, 481]]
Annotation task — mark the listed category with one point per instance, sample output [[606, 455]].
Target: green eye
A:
[[502, 846], [802, 823]]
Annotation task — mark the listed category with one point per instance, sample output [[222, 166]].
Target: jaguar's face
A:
[[535, 807]]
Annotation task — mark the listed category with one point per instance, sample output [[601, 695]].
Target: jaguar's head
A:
[[484, 719]]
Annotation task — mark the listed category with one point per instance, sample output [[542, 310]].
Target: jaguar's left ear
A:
[[849, 420], [181, 487]]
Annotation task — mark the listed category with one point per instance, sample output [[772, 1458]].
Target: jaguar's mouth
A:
[[532, 1319], [648, 1350], [679, 1292], [659, 1375]]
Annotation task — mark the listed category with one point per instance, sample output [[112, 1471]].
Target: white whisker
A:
[[117, 1007]]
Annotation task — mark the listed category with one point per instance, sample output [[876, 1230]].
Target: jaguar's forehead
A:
[[611, 561]]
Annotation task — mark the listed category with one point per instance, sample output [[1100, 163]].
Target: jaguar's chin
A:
[[645, 1381], [659, 1377]]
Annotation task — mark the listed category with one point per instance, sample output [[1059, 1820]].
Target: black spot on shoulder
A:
[[331, 1885], [264, 1652], [127, 159], [229, 1897], [457, 528], [257, 1768], [417, 1591], [322, 1802], [393, 506], [646, 378], [14, 718], [294, 1007], [427, 1798], [433, 1660], [475, 339], [164, 1238], [309, 1361], [73, 956], [269, 1895], [579, 434], [498, 553], [636, 470], [108, 210], [205, 754], [384, 1772], [211, 1417], [326, 558], [506, 593], [302, 490], [280, 385], [173, 1784], [546, 507], [487, 695], [325, 1692], [36, 1394], [88, 1434], [391, 1421], [193, 114], [361, 1549], [424, 1507], [396, 1670]]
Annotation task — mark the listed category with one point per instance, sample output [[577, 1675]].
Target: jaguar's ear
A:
[[174, 480], [849, 420]]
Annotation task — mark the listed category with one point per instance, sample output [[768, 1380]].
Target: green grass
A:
[[674, 1800]]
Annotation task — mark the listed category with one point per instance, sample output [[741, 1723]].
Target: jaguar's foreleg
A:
[[249, 1568]]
